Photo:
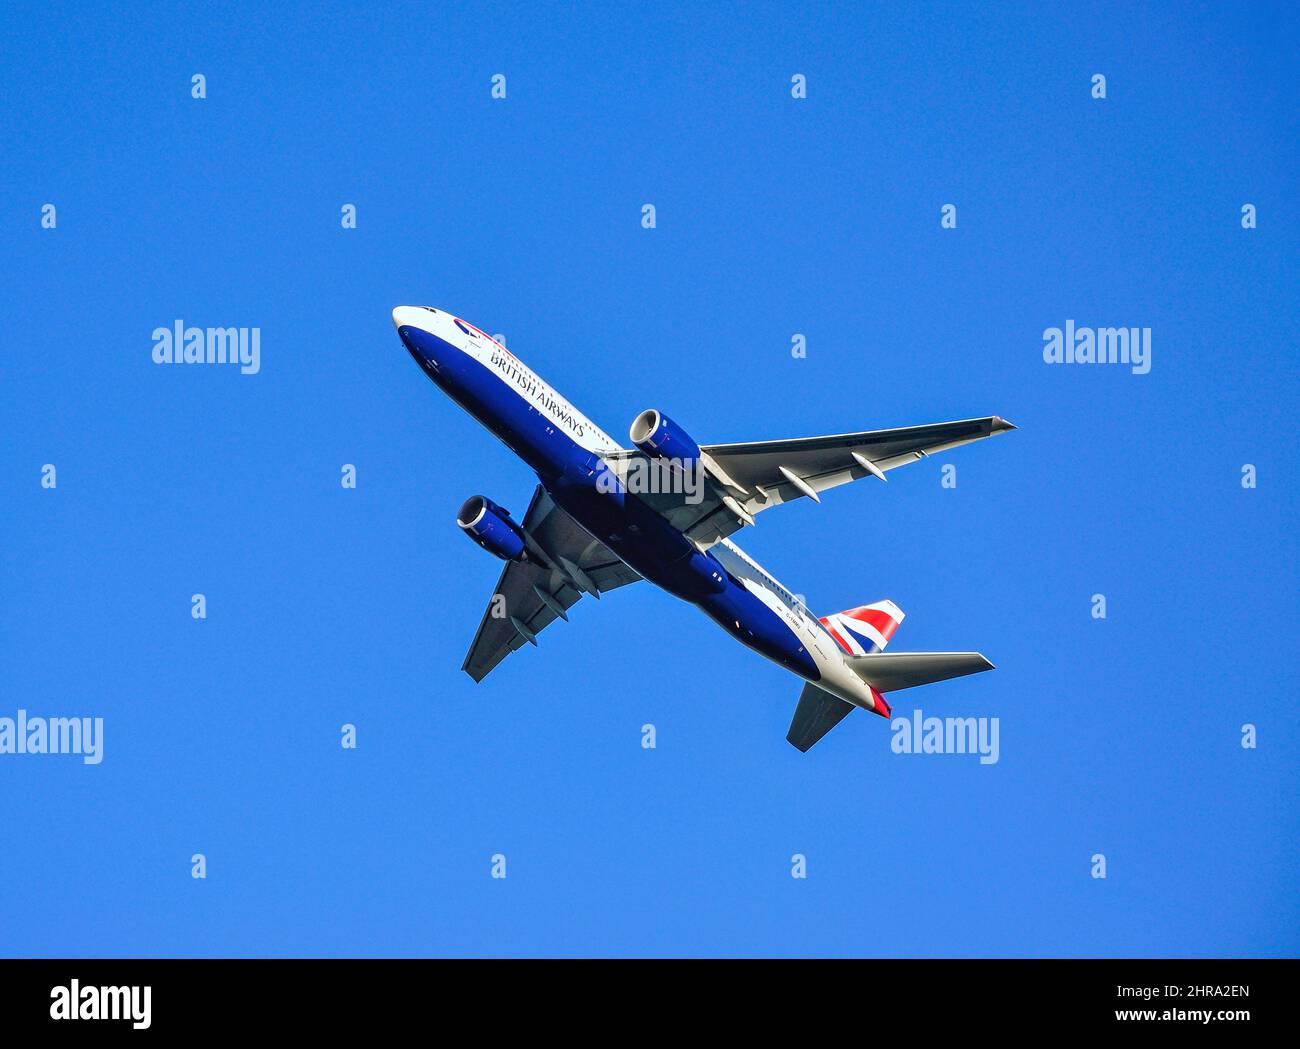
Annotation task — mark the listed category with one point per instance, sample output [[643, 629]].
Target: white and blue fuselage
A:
[[566, 450]]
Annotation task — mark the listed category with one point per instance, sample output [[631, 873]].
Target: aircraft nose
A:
[[419, 328], [404, 315]]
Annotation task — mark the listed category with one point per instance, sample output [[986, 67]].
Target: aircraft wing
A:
[[530, 596], [745, 479]]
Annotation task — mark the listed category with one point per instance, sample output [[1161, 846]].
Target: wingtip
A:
[[1001, 425]]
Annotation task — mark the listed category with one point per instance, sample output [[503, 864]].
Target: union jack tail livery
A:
[[865, 629]]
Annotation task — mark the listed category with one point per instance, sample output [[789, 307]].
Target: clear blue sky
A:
[[775, 216]]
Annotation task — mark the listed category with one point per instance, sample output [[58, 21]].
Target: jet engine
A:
[[492, 528], [656, 434]]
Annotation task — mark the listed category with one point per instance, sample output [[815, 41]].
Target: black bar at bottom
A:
[[220, 997]]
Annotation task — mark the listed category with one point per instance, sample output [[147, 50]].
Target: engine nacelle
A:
[[656, 434], [492, 528]]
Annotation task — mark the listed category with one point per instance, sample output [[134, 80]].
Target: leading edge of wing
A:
[[984, 425]]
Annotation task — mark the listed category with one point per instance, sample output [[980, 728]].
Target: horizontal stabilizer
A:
[[891, 671], [817, 713]]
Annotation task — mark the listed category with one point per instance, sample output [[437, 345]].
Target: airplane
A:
[[596, 523]]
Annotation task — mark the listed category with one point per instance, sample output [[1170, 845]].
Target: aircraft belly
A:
[[746, 618], [661, 554]]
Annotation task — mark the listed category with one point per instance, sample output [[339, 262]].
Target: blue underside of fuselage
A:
[[620, 520]]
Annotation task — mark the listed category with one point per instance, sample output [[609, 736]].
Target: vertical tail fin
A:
[[865, 629]]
